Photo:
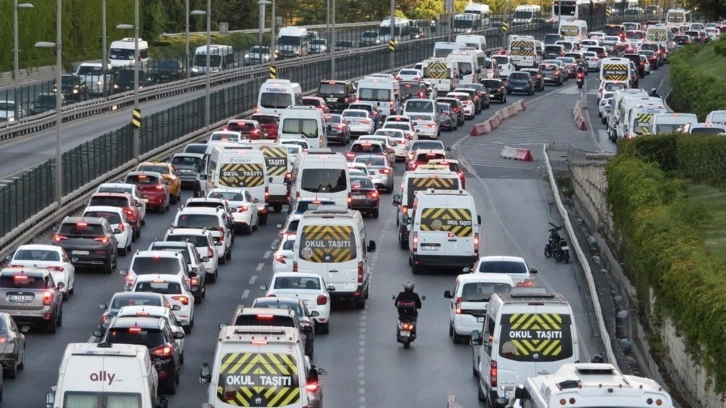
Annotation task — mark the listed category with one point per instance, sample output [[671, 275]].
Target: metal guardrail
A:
[[575, 155], [363, 24]]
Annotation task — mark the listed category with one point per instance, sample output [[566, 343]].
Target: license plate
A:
[[80, 252], [359, 197], [21, 298], [565, 248], [429, 248], [332, 99], [405, 334], [480, 319]]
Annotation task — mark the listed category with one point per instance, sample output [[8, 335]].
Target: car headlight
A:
[[115, 86], [75, 91]]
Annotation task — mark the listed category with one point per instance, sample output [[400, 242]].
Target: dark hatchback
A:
[[537, 78], [73, 87], [639, 63], [90, 242], [364, 195], [496, 89], [167, 70], [337, 94]]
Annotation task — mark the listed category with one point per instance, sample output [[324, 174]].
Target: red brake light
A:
[[58, 238], [47, 298], [161, 351], [360, 272], [121, 228], [20, 278], [210, 252], [159, 187], [181, 298], [493, 374], [194, 281], [322, 300], [457, 305], [103, 240], [294, 266], [265, 316], [525, 283], [280, 259], [312, 387], [135, 330], [243, 208], [384, 171], [476, 243], [373, 194], [56, 268], [415, 242], [81, 224]]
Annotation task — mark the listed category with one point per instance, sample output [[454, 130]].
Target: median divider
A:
[[481, 129], [579, 113], [516, 153], [497, 118]]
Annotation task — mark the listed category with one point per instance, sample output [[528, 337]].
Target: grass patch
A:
[[711, 64], [713, 230]]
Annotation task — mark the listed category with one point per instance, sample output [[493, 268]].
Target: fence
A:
[[86, 162]]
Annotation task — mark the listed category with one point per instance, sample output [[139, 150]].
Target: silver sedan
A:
[[380, 173]]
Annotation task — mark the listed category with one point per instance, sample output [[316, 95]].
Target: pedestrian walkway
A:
[[546, 120]]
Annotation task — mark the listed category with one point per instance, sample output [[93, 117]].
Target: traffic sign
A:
[[392, 45], [273, 72], [136, 118], [505, 26]]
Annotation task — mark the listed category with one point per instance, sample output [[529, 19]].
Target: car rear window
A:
[[502, 267], [196, 240], [21, 282], [327, 88], [361, 183], [366, 148], [109, 201], [419, 106], [141, 179], [164, 288], [266, 304], [81, 229], [150, 338], [264, 320], [143, 265], [155, 169], [241, 127], [482, 291], [295, 282], [425, 157], [207, 221], [264, 119], [184, 251], [491, 83], [135, 300], [36, 255], [111, 217]]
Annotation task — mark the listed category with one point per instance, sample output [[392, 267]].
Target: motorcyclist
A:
[[580, 72], [408, 295], [654, 93]]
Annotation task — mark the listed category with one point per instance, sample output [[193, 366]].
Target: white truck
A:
[[442, 73]]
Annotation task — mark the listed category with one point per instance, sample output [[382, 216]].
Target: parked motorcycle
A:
[[557, 246], [406, 331]]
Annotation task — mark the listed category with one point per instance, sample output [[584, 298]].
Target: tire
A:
[[458, 339], [137, 232], [108, 267], [228, 255], [173, 199], [547, 251], [12, 372], [223, 260], [21, 363], [374, 213], [52, 326], [198, 299], [123, 251], [171, 388], [451, 330], [262, 220], [360, 304], [211, 277], [277, 207], [406, 345], [325, 328], [480, 395]]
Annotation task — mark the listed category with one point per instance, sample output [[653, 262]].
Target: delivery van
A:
[[106, 375], [277, 164], [320, 173], [306, 122]]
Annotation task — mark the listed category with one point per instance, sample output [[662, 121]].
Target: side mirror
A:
[[116, 231], [475, 338], [314, 313], [448, 149], [467, 270], [178, 335], [397, 199], [371, 246], [219, 243], [448, 295], [193, 272], [97, 333], [405, 220], [264, 287], [478, 219], [423, 297], [532, 270], [521, 393], [205, 259], [329, 128], [205, 374], [176, 307], [278, 226], [255, 200], [49, 399], [331, 288], [223, 325], [123, 272], [102, 306], [60, 285], [24, 328], [139, 204]]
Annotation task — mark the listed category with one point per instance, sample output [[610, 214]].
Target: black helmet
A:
[[408, 286], [653, 92]]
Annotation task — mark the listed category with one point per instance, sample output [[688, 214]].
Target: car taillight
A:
[[312, 386], [129, 213], [294, 266], [280, 258], [56, 268], [160, 187], [457, 305], [415, 242], [476, 243], [47, 298], [493, 374], [384, 171], [345, 100], [181, 298], [103, 240], [210, 252], [360, 272], [404, 209], [58, 238], [339, 127], [221, 234], [372, 194], [162, 351], [350, 155], [194, 281], [322, 300], [350, 199], [364, 121]]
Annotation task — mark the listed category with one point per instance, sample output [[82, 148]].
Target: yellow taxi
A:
[[170, 176]]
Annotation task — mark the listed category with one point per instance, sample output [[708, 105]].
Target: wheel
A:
[[171, 388], [474, 372], [480, 395], [324, 328], [59, 321], [504, 100], [223, 260], [547, 251], [52, 325], [137, 232], [360, 303], [12, 372], [198, 299], [21, 364], [262, 219], [173, 199], [458, 339], [374, 213], [108, 268], [181, 359], [277, 207], [406, 345], [123, 251], [557, 255], [415, 269], [212, 277], [188, 328], [451, 330], [228, 255]]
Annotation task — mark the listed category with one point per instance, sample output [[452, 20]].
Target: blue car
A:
[[520, 82]]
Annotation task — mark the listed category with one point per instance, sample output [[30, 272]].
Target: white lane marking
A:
[[260, 266], [253, 278], [245, 293], [268, 253]]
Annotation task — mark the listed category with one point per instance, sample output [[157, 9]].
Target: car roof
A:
[[87, 220], [30, 271], [502, 258], [134, 309], [269, 300], [40, 247], [155, 253], [135, 321], [121, 295], [485, 277], [162, 277]]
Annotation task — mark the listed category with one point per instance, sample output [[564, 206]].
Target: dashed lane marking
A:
[[245, 294], [253, 278], [260, 266], [268, 253]]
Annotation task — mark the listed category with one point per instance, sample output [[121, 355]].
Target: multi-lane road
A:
[[366, 367]]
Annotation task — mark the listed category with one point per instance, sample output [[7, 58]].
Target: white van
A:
[[332, 242], [717, 117], [320, 173], [467, 65], [526, 332], [276, 95], [106, 375], [269, 365], [666, 123], [277, 165], [385, 93], [639, 119], [422, 178], [121, 52], [477, 42], [444, 230], [573, 30], [523, 50], [442, 49], [441, 73], [305, 121], [427, 106], [221, 57], [240, 166], [614, 69]]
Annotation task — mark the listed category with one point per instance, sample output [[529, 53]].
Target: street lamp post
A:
[[392, 58], [104, 57], [273, 26], [58, 101], [262, 4], [186, 27], [135, 27], [16, 48], [208, 13], [333, 40]]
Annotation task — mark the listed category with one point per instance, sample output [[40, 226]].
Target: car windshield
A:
[[276, 304], [159, 246], [502, 267], [155, 169], [361, 183], [21, 281], [135, 300], [36, 255], [185, 161], [141, 179], [491, 83], [196, 240], [161, 265], [264, 320], [150, 338], [482, 291], [208, 221], [419, 145], [111, 217]]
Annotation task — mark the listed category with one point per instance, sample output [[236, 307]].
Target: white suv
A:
[[204, 242], [212, 219]]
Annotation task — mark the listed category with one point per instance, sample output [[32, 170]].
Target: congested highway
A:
[[366, 367]]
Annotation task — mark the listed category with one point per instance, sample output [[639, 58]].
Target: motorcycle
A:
[[580, 80], [406, 329], [557, 246]]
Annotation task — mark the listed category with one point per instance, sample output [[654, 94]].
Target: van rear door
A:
[[334, 249], [446, 231]]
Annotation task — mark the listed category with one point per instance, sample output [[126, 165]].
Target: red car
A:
[[316, 102], [250, 129], [268, 123], [153, 189]]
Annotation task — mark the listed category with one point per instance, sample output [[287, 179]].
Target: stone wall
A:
[[590, 189]]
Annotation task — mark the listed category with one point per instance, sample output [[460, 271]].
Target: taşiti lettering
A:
[[259, 380], [535, 334], [327, 243]]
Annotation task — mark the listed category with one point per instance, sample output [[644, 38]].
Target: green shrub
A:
[[661, 149], [691, 89], [702, 158], [720, 46]]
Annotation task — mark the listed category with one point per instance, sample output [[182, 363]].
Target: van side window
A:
[[489, 326]]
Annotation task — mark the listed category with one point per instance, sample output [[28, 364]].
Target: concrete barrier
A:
[[481, 129], [579, 113], [516, 153], [451, 402], [522, 106], [493, 122]]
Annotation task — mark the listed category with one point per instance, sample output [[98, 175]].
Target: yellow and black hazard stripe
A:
[[538, 321], [615, 72], [457, 221], [246, 380], [437, 70], [657, 35], [531, 322], [241, 175], [545, 347], [570, 31], [446, 183], [644, 121], [327, 243], [275, 160], [522, 48]]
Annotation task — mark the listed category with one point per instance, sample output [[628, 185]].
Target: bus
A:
[[580, 10], [402, 30], [526, 14], [467, 23], [678, 17]]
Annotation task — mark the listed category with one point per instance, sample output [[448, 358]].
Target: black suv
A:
[[496, 89], [639, 63], [167, 70], [89, 242], [337, 94], [157, 336], [122, 80], [73, 87]]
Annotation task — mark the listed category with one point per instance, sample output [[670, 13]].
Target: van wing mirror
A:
[[176, 307], [447, 294], [396, 199], [521, 393], [475, 338], [205, 374], [371, 246], [478, 219], [532, 270], [50, 399]]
